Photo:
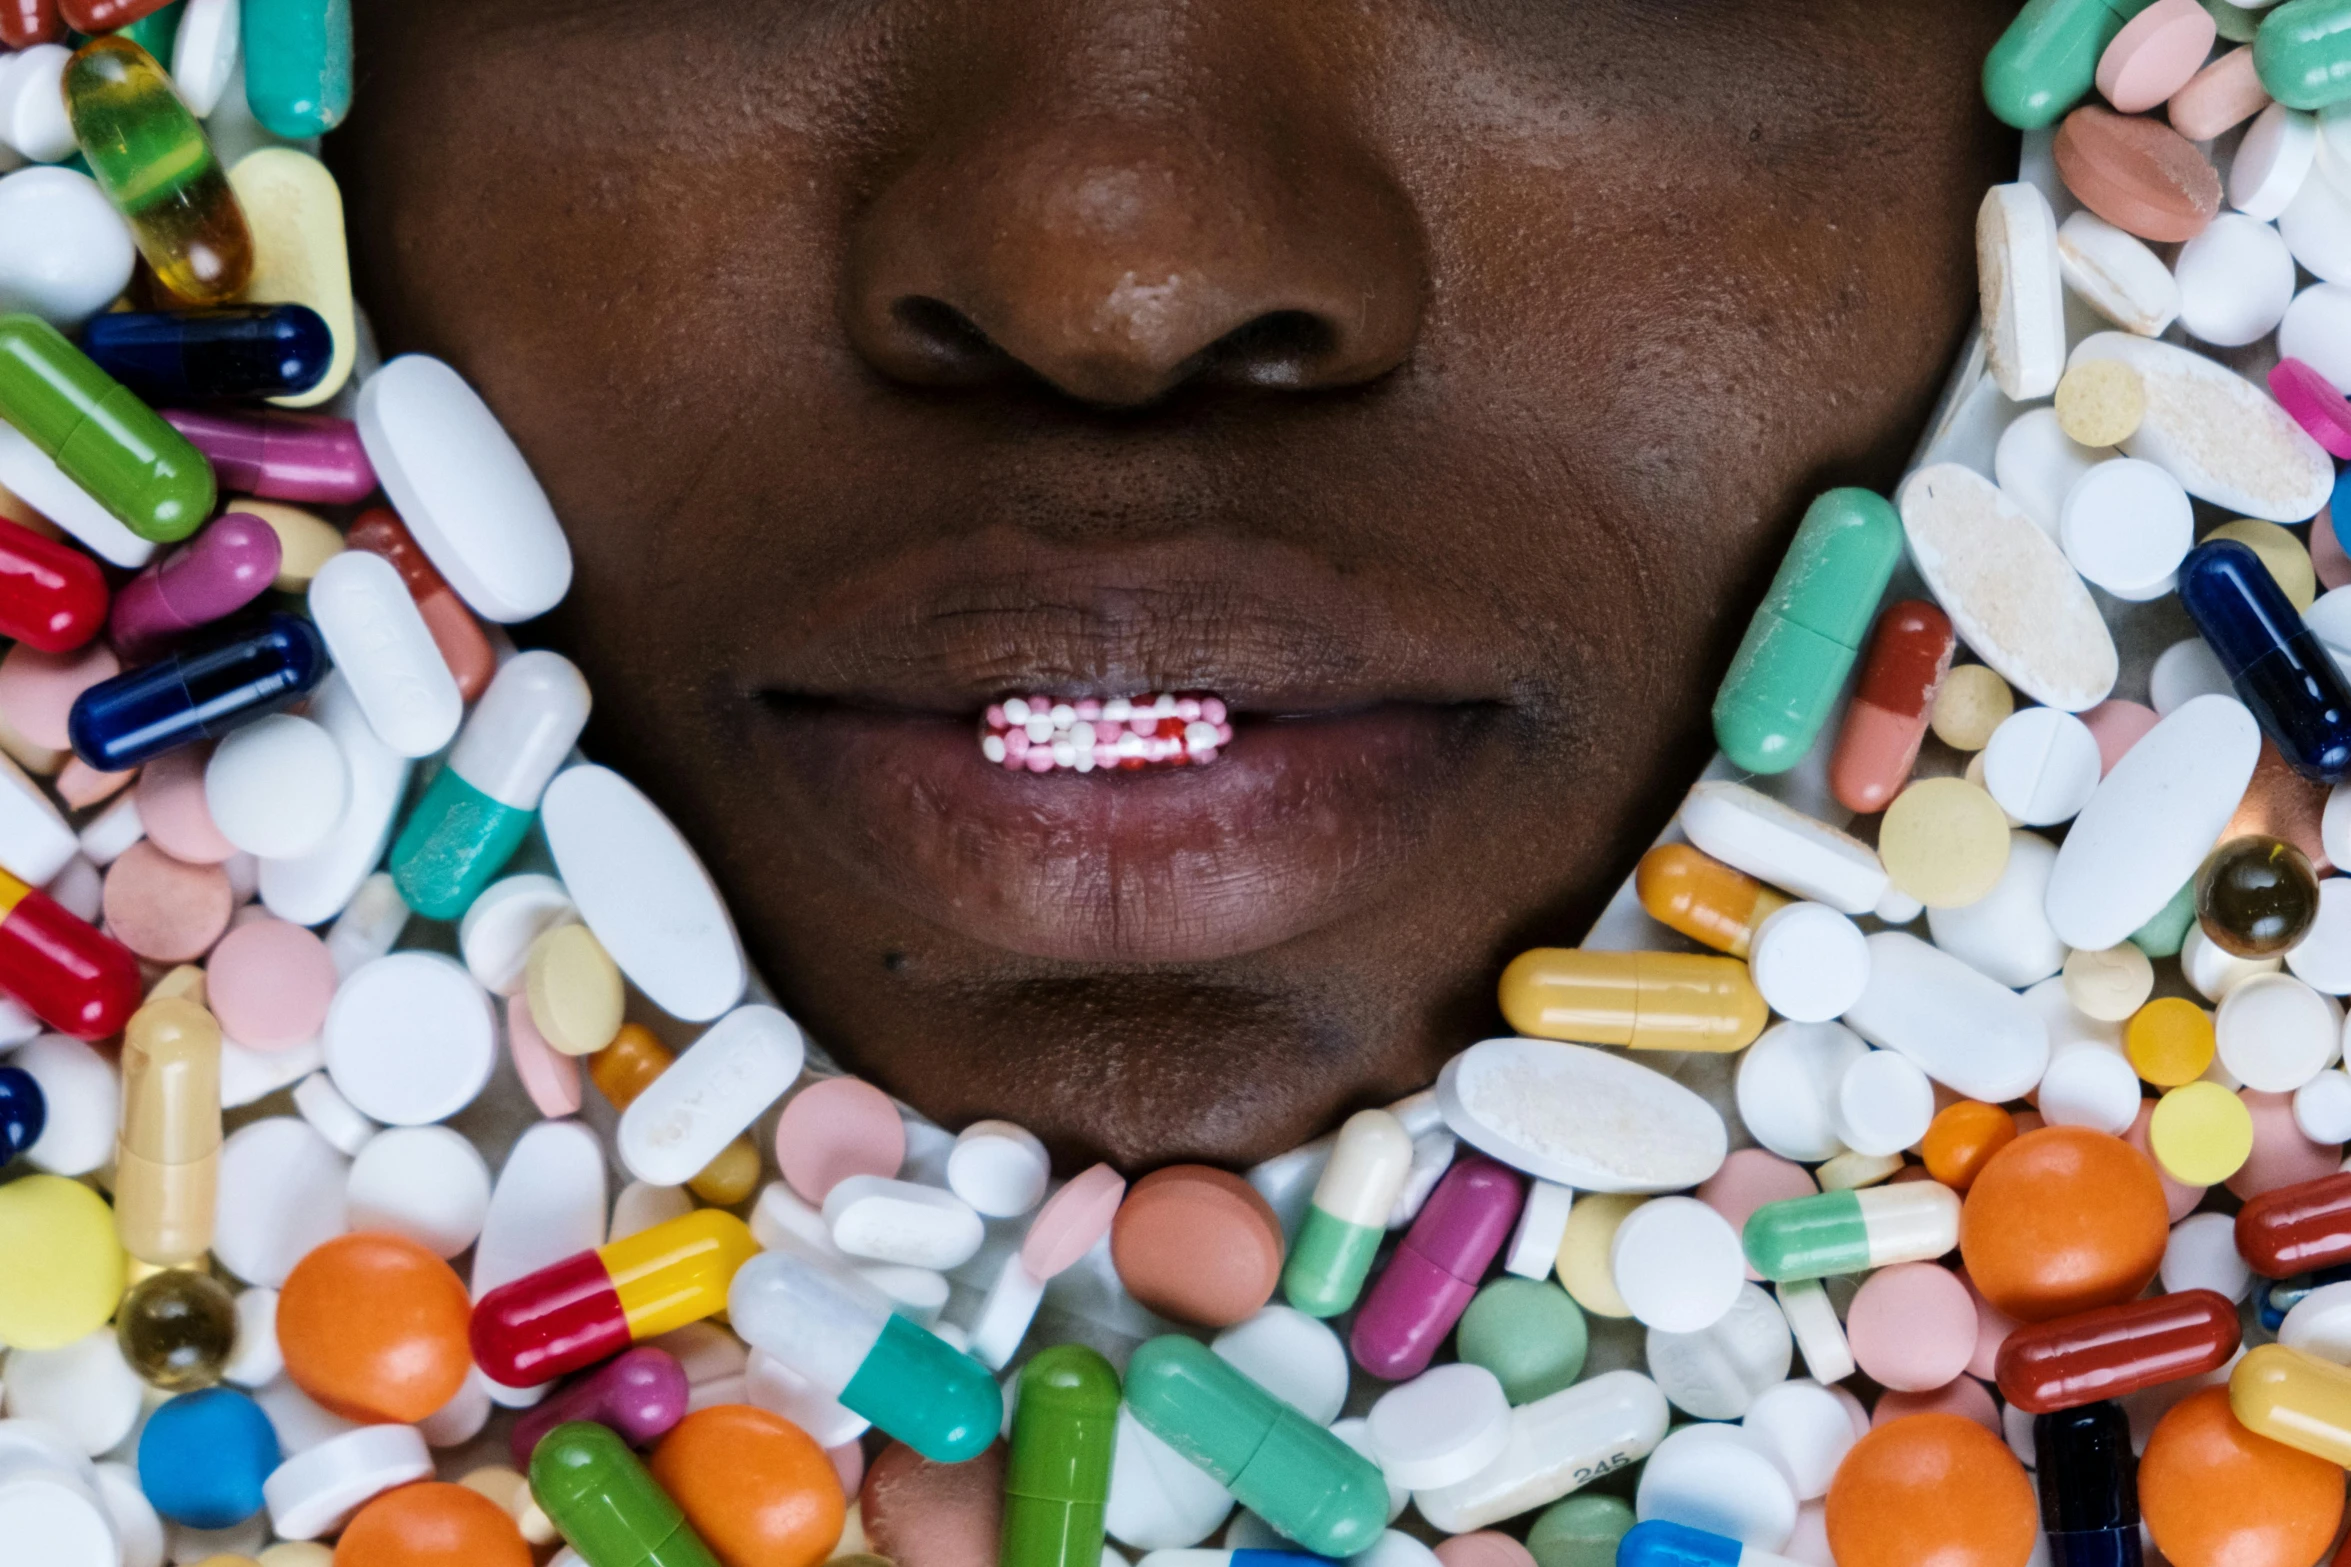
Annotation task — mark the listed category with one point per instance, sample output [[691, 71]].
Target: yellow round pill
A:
[[1969, 705], [1944, 841], [64, 1274], [1584, 1266], [575, 990], [298, 1553], [2109, 985], [2288, 562], [729, 1178], [305, 540], [2101, 402], [2170, 1041], [2201, 1133]]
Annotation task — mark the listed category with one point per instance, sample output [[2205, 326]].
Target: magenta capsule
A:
[[281, 456], [1428, 1283], [639, 1392], [215, 574]]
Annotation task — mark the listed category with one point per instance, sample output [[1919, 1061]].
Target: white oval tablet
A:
[[898, 1221], [2217, 433], [321, 1103], [384, 649], [2316, 226], [2005, 934], [2273, 160], [2151, 822], [1678, 1265], [2036, 463], [1293, 1356], [301, 1424], [2022, 294], [410, 1039], [85, 1391], [2322, 1107], [2236, 280], [496, 933], [1820, 1332], [2090, 1088], [2183, 672], [50, 1511], [204, 53], [999, 1168], [1005, 1313], [463, 488], [1159, 1500], [424, 1182], [1580, 1117], [547, 1204], [1805, 1429], [1809, 961], [65, 253], [740, 1066], [2042, 766], [2316, 330], [1787, 1088], [276, 787], [84, 1099], [1883, 1105], [2202, 1255], [2009, 590], [1721, 1479], [32, 103], [2116, 275], [2276, 1033], [1963, 1030], [1441, 1427], [316, 1491], [2126, 525], [1752, 832], [641, 889], [1718, 1372], [281, 1194]]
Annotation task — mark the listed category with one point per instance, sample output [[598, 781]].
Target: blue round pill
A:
[[203, 1457], [23, 1112]]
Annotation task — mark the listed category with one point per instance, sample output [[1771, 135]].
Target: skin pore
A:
[[1436, 380]]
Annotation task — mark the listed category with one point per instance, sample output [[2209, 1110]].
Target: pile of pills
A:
[[1981, 1061]]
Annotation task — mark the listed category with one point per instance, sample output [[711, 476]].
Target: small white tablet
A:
[[2042, 766], [1809, 961]]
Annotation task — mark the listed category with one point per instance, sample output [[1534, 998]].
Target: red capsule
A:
[[51, 594], [106, 16], [68, 973], [2297, 1229], [2114, 1350], [1908, 655], [464, 648], [24, 23]]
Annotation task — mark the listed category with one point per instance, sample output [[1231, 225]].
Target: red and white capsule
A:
[[1044, 734]]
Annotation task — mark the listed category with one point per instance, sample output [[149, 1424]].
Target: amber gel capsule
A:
[[1647, 1000], [1703, 898], [99, 434], [1057, 1479], [167, 1158], [153, 160]]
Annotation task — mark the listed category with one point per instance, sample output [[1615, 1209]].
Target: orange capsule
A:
[[1703, 898], [1908, 655], [1962, 1138]]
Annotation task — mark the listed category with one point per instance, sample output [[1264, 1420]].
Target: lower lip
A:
[[1297, 821]]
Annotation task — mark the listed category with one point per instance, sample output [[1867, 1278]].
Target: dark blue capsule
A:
[[2280, 668], [2089, 1484], [23, 1112], [234, 353], [199, 694]]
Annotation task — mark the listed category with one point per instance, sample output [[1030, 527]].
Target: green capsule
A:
[[1057, 1477], [455, 843], [99, 433], [1348, 1218], [2303, 53], [1310, 1486], [2161, 936], [158, 32], [1784, 680], [1851, 1231], [298, 65], [610, 1508], [2047, 61]]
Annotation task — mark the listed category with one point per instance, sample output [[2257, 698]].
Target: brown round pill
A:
[[2138, 174], [1197, 1244], [165, 910], [923, 1514]]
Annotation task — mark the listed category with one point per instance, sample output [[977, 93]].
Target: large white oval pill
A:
[[1581, 1117], [902, 1222], [739, 1067], [2221, 436], [277, 787], [1750, 831], [65, 253], [1962, 1029], [382, 646]]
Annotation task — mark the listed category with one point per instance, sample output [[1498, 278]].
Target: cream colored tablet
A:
[[2022, 294], [295, 211], [2217, 433]]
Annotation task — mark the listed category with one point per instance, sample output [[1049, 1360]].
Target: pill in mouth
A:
[[1045, 734]]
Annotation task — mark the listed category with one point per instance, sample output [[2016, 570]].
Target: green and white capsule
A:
[[1852, 1231], [1349, 1214]]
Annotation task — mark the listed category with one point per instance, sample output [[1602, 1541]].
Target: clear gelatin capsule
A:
[[1852, 1231]]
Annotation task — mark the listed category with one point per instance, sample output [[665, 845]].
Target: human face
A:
[[1436, 380]]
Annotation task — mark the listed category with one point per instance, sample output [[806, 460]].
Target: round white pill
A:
[[2183, 672], [2090, 1088], [1159, 1500], [84, 1100], [2322, 958], [1719, 1478], [2214, 970], [322, 1104], [2042, 765], [999, 1168], [424, 1182], [2126, 525], [255, 1362], [410, 1039], [1809, 961], [2322, 1107], [281, 1193], [1807, 1432], [136, 1524], [84, 1390], [2316, 330], [316, 1491], [2036, 464], [277, 787], [2273, 160], [1787, 1088], [2111, 984], [1441, 1427], [2276, 1033], [1884, 1104], [50, 1511], [1677, 1264], [1716, 1374], [496, 933], [2202, 1255], [2236, 280], [1296, 1358]]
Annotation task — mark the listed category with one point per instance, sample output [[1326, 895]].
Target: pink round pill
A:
[[1072, 1221], [2281, 1156], [551, 1078], [1747, 1180], [2314, 403], [2326, 552], [2117, 726], [1992, 1327], [2179, 1199], [172, 808], [849, 1463], [2227, 92], [1912, 1326], [2157, 53], [832, 1130], [1485, 1548], [37, 689], [1964, 1397], [270, 983], [165, 910], [81, 786]]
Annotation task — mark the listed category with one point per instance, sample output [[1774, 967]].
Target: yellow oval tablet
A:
[[295, 210], [575, 990], [2281, 552], [2101, 402], [2109, 985], [1851, 1170], [306, 541], [1971, 703], [1944, 841], [65, 1274], [1584, 1267], [297, 1553], [2170, 1041], [2201, 1133]]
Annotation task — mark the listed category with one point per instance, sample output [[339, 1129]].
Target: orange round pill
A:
[[2060, 1220], [373, 1326], [756, 1487], [1197, 1244], [2217, 1495], [1931, 1488], [1962, 1138], [432, 1524]]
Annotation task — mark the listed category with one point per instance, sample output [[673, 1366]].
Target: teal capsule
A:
[[2303, 53], [1057, 1475], [1784, 680], [298, 65], [608, 1506], [157, 32], [2047, 61], [1348, 1218], [1310, 1486]]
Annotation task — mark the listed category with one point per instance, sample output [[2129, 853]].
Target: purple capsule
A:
[[215, 574], [639, 1392], [281, 456], [1427, 1285]]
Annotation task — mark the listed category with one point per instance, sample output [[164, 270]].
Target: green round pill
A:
[[1580, 1532], [1528, 1333]]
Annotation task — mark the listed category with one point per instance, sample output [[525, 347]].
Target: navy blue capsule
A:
[[199, 694], [2280, 668], [23, 1112], [229, 354], [2089, 1486]]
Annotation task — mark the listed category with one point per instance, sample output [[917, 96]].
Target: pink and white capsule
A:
[[1043, 734]]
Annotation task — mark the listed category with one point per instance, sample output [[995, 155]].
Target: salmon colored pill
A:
[[2143, 177], [432, 1524], [37, 689], [2227, 92], [2157, 53], [2217, 1495], [165, 910], [2117, 726], [269, 983], [2061, 1220], [1992, 1329], [373, 1327], [1961, 1140], [1072, 1221], [455, 632], [1912, 1327], [551, 1078], [81, 786], [2281, 1156], [1933, 1488], [756, 1487], [1486, 1548], [2327, 558], [1909, 654], [172, 807], [835, 1129], [1197, 1244], [1962, 1396]]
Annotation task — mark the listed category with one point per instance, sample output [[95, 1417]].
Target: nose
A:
[[1116, 260]]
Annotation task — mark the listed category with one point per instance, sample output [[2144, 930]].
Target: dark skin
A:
[[1438, 380]]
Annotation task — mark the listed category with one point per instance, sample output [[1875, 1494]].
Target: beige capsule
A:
[[167, 1158]]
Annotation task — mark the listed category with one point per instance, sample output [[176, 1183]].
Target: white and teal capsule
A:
[[1661, 1544], [1348, 1217], [1242, 1558], [1852, 1231]]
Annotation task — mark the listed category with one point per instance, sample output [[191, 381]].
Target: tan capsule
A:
[[1647, 1000], [167, 1158]]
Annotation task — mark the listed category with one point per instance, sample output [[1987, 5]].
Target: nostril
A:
[[1281, 348], [946, 343]]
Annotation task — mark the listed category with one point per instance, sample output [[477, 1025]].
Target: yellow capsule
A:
[[1703, 898], [2296, 1399], [1648, 1000], [167, 1157], [295, 211]]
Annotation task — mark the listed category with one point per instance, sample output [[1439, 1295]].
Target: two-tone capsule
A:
[[1657, 1542], [2297, 1229], [597, 1303], [99, 434], [2116, 1350], [67, 972], [167, 1154], [2280, 669], [607, 1504], [212, 576], [51, 595], [1435, 1273], [1057, 1473], [1852, 1231], [1886, 722], [1348, 1217], [1646, 1000], [1558, 1443], [1703, 898], [279, 455], [198, 694], [2089, 1485], [464, 648]]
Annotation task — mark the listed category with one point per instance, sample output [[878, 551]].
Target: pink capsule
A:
[[216, 573], [1428, 1283], [280, 455]]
